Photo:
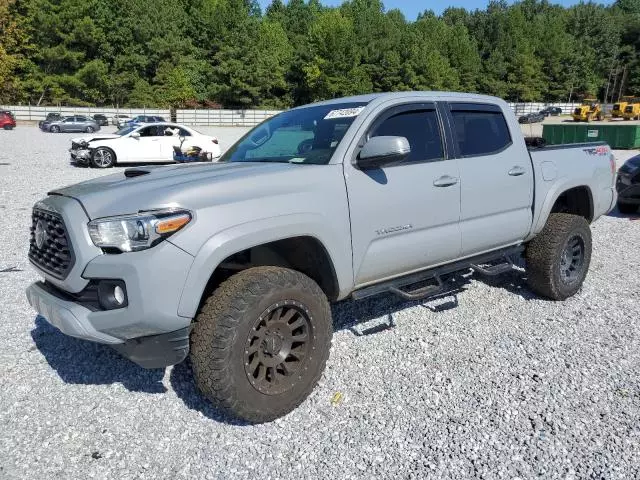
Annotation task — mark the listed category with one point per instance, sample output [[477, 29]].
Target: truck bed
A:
[[558, 168]]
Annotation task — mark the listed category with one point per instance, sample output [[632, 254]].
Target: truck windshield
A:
[[307, 135]]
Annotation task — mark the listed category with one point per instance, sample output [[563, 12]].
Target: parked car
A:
[[236, 261], [628, 185], [141, 119], [76, 123], [7, 120], [140, 144], [101, 119], [531, 118], [119, 119], [553, 111], [51, 117]]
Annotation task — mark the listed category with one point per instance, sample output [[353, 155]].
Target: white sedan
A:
[[149, 143]]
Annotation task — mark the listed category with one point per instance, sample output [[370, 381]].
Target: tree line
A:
[[230, 53]]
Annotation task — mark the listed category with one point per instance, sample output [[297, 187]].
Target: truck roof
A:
[[433, 95]]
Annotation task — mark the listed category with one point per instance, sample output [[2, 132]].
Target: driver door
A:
[[146, 147], [406, 216]]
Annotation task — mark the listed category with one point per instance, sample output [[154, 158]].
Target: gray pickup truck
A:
[[236, 262]]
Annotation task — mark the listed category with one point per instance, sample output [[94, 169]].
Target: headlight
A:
[[130, 233]]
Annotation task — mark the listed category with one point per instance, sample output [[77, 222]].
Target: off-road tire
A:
[[99, 156], [544, 256], [226, 322], [627, 208]]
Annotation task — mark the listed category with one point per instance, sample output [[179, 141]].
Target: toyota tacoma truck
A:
[[235, 263]]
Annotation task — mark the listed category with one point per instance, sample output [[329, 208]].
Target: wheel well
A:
[[304, 254], [577, 201]]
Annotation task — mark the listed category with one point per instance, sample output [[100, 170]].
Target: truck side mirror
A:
[[381, 151]]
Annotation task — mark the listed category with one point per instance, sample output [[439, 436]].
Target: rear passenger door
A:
[[496, 178], [404, 216], [80, 123]]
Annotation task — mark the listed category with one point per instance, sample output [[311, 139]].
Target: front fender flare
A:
[[259, 232]]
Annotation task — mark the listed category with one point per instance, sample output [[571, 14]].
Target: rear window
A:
[[480, 132]]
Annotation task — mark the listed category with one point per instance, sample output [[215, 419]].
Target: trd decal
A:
[[601, 150]]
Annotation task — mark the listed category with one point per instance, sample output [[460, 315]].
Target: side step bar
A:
[[494, 270], [420, 293], [395, 286]]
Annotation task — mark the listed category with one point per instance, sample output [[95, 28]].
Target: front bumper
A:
[[628, 191], [69, 317], [152, 351], [80, 155], [148, 329], [154, 281]]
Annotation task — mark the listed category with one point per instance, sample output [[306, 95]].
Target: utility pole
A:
[[624, 73], [615, 83], [606, 92]]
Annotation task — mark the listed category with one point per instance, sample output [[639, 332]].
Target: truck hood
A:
[[192, 186], [94, 137]]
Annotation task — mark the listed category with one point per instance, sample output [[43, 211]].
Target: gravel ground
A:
[[490, 383]]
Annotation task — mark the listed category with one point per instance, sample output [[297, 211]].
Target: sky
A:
[[411, 8]]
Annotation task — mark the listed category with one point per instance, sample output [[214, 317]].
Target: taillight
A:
[[612, 161]]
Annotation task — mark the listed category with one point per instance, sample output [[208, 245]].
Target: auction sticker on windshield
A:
[[344, 113]]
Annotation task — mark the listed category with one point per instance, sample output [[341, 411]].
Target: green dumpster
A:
[[617, 136]]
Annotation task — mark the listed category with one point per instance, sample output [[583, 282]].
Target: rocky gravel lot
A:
[[491, 382]]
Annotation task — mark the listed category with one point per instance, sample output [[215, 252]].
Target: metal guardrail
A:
[[231, 118], [221, 117], [534, 107]]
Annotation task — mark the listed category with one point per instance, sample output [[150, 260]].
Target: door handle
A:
[[517, 171], [445, 181]]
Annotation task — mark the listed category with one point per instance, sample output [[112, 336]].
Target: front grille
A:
[[55, 256]]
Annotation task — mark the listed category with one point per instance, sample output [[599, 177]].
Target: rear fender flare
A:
[[552, 195]]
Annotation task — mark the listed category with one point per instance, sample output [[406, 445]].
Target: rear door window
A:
[[479, 129]]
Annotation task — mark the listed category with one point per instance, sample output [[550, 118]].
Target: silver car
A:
[[76, 123]]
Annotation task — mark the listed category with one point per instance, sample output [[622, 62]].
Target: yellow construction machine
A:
[[589, 110], [632, 110], [619, 106]]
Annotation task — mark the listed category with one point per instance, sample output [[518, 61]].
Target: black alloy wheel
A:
[[278, 346]]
